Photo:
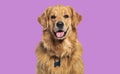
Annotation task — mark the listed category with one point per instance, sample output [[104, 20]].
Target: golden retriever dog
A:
[[59, 51]]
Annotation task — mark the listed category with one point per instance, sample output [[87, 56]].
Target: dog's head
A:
[[59, 20]]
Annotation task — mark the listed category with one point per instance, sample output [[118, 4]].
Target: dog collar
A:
[[56, 61]]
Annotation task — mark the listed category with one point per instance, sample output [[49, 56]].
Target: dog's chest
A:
[[55, 66]]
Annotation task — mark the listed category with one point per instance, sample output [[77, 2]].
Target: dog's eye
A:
[[66, 16], [53, 17]]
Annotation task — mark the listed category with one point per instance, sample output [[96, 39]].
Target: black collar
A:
[[57, 61]]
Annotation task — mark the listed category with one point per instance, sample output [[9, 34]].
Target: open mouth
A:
[[60, 33]]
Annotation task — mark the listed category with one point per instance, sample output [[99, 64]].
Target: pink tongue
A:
[[59, 34]]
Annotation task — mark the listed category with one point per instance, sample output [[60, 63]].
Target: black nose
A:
[[60, 24]]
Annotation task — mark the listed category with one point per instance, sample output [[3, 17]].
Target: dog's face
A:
[[59, 20]]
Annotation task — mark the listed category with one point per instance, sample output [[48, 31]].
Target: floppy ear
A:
[[76, 18], [43, 19]]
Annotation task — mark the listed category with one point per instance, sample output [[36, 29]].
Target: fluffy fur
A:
[[68, 49]]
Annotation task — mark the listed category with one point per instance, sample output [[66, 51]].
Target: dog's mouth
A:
[[60, 33]]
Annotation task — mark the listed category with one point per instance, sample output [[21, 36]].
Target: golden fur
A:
[[68, 49]]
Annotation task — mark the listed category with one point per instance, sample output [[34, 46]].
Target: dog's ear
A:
[[76, 18], [43, 19]]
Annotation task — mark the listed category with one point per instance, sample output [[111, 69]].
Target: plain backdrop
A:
[[98, 32]]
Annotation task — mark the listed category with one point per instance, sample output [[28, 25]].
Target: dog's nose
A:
[[60, 24]]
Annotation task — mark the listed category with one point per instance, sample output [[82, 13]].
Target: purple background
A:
[[99, 33]]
